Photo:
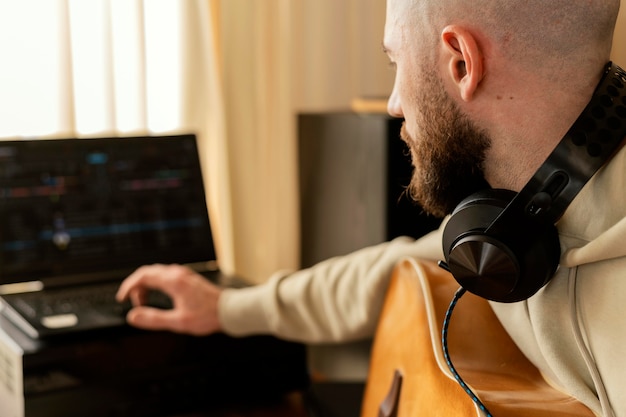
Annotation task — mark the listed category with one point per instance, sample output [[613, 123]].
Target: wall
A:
[[338, 54]]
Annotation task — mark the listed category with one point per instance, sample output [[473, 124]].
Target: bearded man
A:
[[487, 89]]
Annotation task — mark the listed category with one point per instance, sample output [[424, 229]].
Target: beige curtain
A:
[[133, 67], [260, 124]]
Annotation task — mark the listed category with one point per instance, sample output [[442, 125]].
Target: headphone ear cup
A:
[[507, 267]]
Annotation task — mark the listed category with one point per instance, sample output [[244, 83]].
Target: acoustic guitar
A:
[[408, 375]]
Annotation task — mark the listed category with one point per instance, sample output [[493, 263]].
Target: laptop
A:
[[77, 216]]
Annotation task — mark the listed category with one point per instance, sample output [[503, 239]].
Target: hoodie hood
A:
[[585, 235], [573, 328]]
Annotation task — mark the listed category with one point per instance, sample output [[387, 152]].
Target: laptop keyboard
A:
[[100, 297]]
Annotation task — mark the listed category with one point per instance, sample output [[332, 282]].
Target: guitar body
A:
[[408, 340]]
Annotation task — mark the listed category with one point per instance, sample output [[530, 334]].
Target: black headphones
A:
[[504, 246]]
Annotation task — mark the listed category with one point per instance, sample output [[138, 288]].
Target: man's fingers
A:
[[161, 277], [137, 296], [150, 318], [132, 281]]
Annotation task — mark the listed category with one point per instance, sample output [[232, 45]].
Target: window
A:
[[75, 67]]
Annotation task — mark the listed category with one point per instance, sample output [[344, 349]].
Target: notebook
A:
[[77, 216]]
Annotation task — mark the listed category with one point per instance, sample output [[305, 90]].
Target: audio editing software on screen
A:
[[71, 205]]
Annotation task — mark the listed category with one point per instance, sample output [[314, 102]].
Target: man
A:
[[487, 89]]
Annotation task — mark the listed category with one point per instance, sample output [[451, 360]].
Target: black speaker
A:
[[353, 169], [503, 245]]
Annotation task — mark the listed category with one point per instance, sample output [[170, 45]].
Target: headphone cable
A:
[[444, 342]]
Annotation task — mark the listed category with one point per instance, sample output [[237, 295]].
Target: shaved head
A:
[[539, 31], [535, 32]]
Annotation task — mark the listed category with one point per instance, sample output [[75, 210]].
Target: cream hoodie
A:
[[591, 280], [340, 299]]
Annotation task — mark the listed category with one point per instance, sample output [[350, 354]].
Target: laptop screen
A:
[[72, 206]]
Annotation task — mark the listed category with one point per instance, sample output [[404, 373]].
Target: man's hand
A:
[[194, 300]]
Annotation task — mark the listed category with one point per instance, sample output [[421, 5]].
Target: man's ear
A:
[[463, 60]]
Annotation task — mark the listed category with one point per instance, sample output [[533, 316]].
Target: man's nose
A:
[[394, 107]]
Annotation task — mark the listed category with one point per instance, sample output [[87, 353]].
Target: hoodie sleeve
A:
[[337, 300]]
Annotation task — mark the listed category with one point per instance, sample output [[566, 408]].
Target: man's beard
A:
[[448, 152]]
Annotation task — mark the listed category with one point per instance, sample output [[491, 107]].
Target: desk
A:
[[126, 372], [107, 391]]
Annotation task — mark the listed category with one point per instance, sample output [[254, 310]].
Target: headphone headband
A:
[[588, 144]]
